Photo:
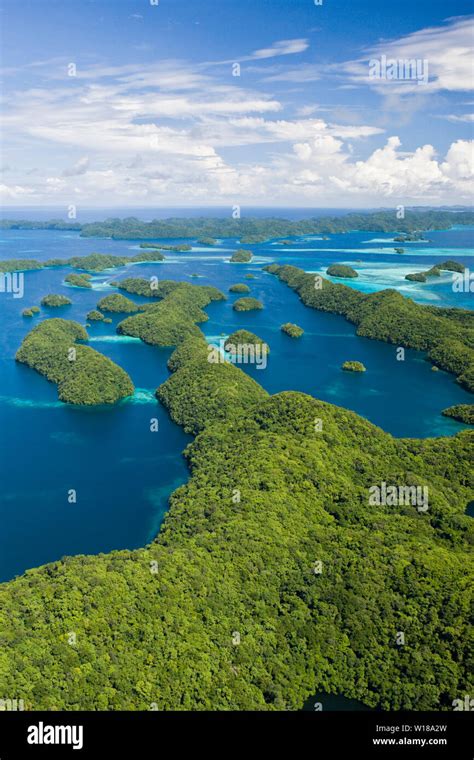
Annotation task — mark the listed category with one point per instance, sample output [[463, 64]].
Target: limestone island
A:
[[461, 412], [31, 311], [241, 256], [55, 300], [164, 247], [241, 338], [79, 280], [416, 277], [118, 303], [353, 367], [341, 270], [83, 376], [239, 287], [294, 331], [206, 241], [247, 304], [94, 316]]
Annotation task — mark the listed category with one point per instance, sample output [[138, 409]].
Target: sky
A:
[[304, 103]]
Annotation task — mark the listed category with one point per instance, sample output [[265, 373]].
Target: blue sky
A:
[[123, 102]]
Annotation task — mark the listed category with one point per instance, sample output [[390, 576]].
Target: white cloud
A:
[[80, 167], [446, 49], [284, 47]]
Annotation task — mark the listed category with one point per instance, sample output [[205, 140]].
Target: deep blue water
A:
[[122, 472]]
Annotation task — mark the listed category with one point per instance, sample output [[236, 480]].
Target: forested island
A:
[[83, 376], [341, 270], [353, 366], [294, 331], [79, 280], [54, 300], [435, 271], [244, 338], [287, 552], [118, 303], [447, 335], [239, 287], [257, 230], [241, 257], [247, 304]]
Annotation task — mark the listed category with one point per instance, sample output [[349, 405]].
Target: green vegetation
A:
[[250, 276], [55, 300], [341, 270], [247, 304], [461, 412], [207, 241], [239, 287], [446, 334], [175, 248], [79, 280], [257, 230], [435, 271], [245, 338], [107, 320], [416, 236], [452, 266], [31, 311], [238, 551], [416, 277], [294, 331], [241, 257], [19, 265], [118, 303], [171, 320], [83, 376], [95, 316], [98, 262], [352, 366]]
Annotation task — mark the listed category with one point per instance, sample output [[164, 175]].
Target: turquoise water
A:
[[122, 472]]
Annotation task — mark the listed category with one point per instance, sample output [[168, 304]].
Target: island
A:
[[83, 376], [247, 304], [435, 271], [241, 256], [416, 277], [95, 316], [399, 250], [207, 241], [352, 366], [54, 300], [461, 412], [341, 270], [118, 303], [182, 248], [243, 338], [79, 280], [294, 331], [31, 311], [239, 287]]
